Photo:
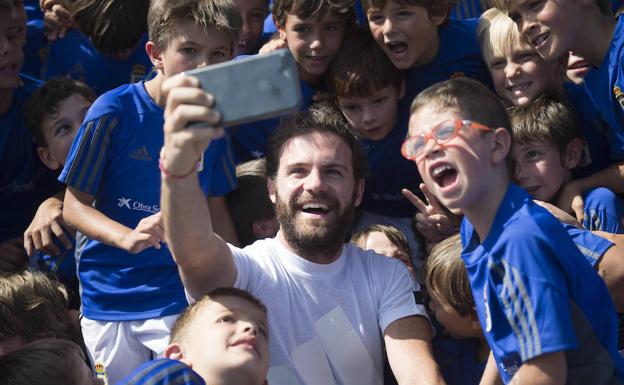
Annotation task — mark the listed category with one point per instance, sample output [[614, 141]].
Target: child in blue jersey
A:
[[105, 49], [419, 37], [547, 146], [367, 92], [130, 289], [55, 112], [313, 32], [24, 180], [463, 352], [220, 339], [545, 314], [589, 30]]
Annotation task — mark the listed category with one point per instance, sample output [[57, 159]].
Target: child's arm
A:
[[611, 268], [490, 373], [547, 369], [571, 195], [48, 223], [78, 212]]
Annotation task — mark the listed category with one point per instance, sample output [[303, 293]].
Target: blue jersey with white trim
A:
[[605, 85], [536, 294], [458, 55], [603, 211], [114, 157]]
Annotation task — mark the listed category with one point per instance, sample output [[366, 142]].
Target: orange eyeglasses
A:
[[414, 146]]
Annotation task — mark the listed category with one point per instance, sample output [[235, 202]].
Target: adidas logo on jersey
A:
[[141, 153]]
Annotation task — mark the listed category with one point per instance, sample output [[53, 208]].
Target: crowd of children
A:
[[492, 149]]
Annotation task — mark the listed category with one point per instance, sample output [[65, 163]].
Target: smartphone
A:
[[252, 88]]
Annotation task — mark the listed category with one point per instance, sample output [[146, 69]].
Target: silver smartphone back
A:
[[253, 88]]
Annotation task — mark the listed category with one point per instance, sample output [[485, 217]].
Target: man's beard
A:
[[314, 237]]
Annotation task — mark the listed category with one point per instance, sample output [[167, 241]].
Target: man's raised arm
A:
[[204, 259]]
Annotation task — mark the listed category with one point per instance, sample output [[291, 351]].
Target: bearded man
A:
[[331, 306]]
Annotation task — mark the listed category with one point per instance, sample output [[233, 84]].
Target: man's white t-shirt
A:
[[326, 321]]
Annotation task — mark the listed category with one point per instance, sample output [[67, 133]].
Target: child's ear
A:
[[437, 19], [271, 188], [281, 29], [573, 154], [501, 145], [174, 352], [47, 158], [154, 54]]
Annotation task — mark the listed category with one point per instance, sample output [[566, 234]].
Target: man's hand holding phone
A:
[[186, 103]]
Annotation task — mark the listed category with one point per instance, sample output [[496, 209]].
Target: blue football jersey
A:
[[114, 157], [536, 294], [605, 84]]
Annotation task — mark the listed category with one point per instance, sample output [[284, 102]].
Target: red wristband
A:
[[167, 173]]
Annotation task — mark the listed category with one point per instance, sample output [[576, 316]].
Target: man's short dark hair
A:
[[324, 119]]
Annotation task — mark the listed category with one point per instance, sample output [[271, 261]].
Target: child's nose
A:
[[388, 26]]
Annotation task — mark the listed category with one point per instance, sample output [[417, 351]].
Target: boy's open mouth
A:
[[397, 47], [444, 175], [540, 39], [519, 87]]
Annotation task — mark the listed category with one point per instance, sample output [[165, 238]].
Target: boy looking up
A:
[[545, 313], [55, 112], [547, 147], [313, 32], [419, 37], [130, 301], [222, 339]]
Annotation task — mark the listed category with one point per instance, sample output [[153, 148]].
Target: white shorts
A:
[[117, 348]]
